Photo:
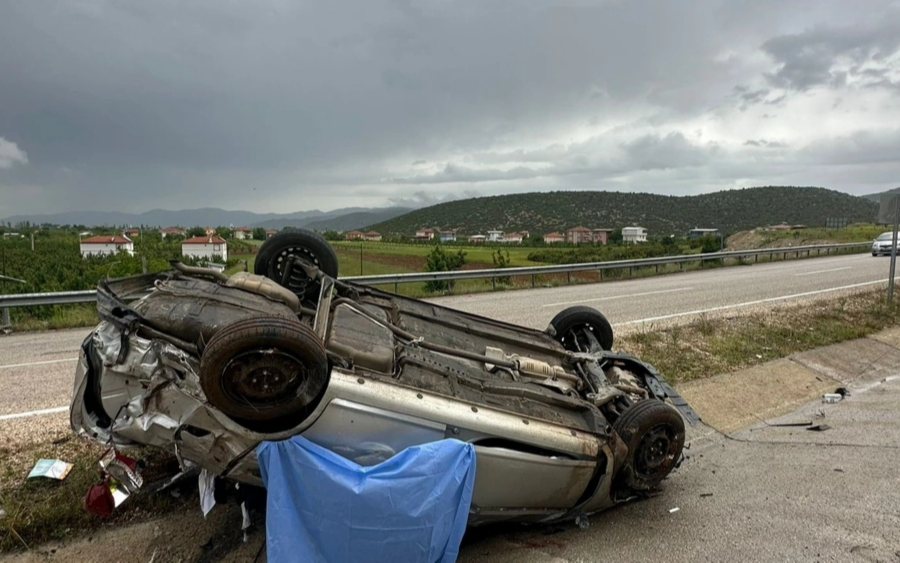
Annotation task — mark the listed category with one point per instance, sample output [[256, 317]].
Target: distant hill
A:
[[877, 197], [541, 213], [210, 217], [358, 220]]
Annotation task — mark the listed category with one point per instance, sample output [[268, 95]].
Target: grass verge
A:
[[710, 346], [39, 510]]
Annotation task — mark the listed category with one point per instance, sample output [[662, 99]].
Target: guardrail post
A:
[[5, 322], [532, 280], [569, 278]]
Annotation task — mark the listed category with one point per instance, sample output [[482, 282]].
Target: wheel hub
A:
[[656, 452], [262, 376]]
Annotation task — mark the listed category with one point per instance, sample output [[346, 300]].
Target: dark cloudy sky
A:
[[287, 105]]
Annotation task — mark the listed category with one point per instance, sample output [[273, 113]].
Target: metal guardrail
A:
[[88, 296]]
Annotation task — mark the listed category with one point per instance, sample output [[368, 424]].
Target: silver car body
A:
[[883, 243], [542, 451]]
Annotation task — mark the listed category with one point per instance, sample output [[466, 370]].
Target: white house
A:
[[513, 238], [424, 234], [242, 233], [205, 247], [448, 236], [172, 231], [106, 244], [634, 234], [494, 236]]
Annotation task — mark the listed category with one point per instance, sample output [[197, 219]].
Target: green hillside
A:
[[731, 210], [877, 197]]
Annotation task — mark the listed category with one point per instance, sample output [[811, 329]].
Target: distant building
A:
[[494, 236], [583, 235], [698, 232], [372, 236], [205, 247], [270, 233], [131, 233], [579, 235], [172, 231], [448, 236], [634, 234], [354, 235], [512, 238], [601, 236], [477, 238], [106, 244], [210, 231], [424, 234], [553, 238], [241, 233]]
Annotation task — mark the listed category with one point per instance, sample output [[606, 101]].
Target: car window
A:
[[886, 236]]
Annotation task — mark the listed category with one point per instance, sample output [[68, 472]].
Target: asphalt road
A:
[[764, 494], [662, 299], [36, 369]]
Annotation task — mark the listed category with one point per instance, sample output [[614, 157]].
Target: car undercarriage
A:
[[209, 366]]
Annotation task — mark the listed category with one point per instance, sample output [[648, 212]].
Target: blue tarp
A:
[[410, 508]]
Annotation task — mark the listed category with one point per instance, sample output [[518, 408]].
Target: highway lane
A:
[[36, 368], [631, 304]]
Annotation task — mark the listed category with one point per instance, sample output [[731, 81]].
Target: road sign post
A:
[[890, 213]]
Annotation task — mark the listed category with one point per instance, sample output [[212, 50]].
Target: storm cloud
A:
[[279, 105]]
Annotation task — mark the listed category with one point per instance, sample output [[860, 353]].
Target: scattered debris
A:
[[831, 397], [842, 391], [704, 495], [51, 468], [819, 428], [2, 513], [119, 478], [674, 510], [207, 482], [838, 469], [582, 521], [807, 423]]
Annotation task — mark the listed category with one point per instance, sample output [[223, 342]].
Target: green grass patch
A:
[[709, 346], [40, 510]]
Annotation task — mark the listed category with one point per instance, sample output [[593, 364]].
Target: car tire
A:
[[305, 245], [567, 322], [653, 431], [265, 373]]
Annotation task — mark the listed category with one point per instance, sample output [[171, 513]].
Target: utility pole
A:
[[360, 257], [896, 208]]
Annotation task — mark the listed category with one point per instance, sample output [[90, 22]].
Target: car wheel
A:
[[274, 260], [265, 373], [654, 434], [569, 326]]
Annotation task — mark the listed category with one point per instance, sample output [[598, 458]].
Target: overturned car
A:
[[208, 366]]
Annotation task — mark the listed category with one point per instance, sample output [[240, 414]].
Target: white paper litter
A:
[[207, 482]]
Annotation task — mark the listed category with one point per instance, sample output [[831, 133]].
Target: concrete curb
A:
[[731, 401]]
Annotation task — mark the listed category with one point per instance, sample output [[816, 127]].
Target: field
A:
[[56, 265]]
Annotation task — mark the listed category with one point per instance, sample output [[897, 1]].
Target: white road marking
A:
[[823, 271], [32, 413], [611, 297], [45, 362], [749, 303]]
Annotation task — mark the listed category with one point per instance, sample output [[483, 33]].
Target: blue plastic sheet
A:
[[412, 507]]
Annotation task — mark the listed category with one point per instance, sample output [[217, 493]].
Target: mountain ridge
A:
[[545, 212]]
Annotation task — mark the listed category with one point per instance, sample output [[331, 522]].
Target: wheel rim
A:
[[656, 452], [298, 282], [263, 378]]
